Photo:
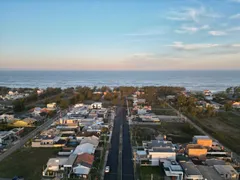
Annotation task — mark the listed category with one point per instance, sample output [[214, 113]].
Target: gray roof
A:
[[209, 173], [71, 160], [190, 168], [162, 149], [157, 143]]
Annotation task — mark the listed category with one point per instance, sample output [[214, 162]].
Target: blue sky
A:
[[120, 35]]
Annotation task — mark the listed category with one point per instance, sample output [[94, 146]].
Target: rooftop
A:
[[201, 137], [85, 159], [161, 149], [225, 169], [190, 169], [209, 173]]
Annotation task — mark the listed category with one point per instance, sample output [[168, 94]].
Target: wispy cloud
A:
[[217, 33], [235, 16], [191, 29], [182, 46], [191, 14], [234, 29]]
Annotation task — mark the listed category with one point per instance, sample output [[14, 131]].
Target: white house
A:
[[52, 106], [85, 148], [54, 167], [172, 169], [96, 105], [236, 105]]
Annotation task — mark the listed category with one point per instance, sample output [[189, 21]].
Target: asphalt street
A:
[[23, 140], [114, 149], [113, 156], [127, 162]]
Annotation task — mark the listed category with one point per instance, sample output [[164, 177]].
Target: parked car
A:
[[107, 169]]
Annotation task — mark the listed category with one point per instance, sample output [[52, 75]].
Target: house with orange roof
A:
[[83, 165]]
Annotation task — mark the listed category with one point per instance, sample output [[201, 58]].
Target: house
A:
[[157, 150], [39, 91], [172, 169], [209, 172], [68, 165], [83, 165], [191, 172], [52, 106], [6, 117], [85, 148], [96, 105], [17, 131], [203, 140], [227, 172], [236, 105], [54, 167], [37, 111], [94, 140], [196, 150], [6, 137]]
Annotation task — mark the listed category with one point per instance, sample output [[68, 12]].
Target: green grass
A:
[[178, 132], [224, 127], [26, 162], [154, 172], [164, 112]]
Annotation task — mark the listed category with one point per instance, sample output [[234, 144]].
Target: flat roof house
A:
[[172, 169], [54, 167], [203, 140], [191, 172], [227, 172]]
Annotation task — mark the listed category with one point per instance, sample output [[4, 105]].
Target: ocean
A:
[[191, 80]]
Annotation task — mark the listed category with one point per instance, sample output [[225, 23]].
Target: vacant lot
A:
[[178, 132], [150, 172], [27, 162], [159, 111], [224, 127]]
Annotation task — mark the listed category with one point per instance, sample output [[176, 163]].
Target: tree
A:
[[64, 104], [228, 106], [210, 111], [18, 105], [108, 97]]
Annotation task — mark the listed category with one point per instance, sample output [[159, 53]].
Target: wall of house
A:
[[205, 142], [197, 152], [156, 156]]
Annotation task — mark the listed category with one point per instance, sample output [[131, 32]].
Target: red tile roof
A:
[[85, 158]]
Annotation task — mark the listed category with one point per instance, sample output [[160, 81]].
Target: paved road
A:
[[114, 150], [127, 162], [23, 140]]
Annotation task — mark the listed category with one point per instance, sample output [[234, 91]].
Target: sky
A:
[[120, 35]]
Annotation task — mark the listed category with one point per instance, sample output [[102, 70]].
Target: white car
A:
[[107, 169]]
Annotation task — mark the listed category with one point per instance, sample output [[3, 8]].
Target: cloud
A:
[[234, 29], [235, 16], [191, 29], [181, 46], [191, 14], [217, 33]]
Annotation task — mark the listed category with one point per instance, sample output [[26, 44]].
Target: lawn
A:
[[177, 132], [151, 172], [168, 112], [224, 127], [26, 162]]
